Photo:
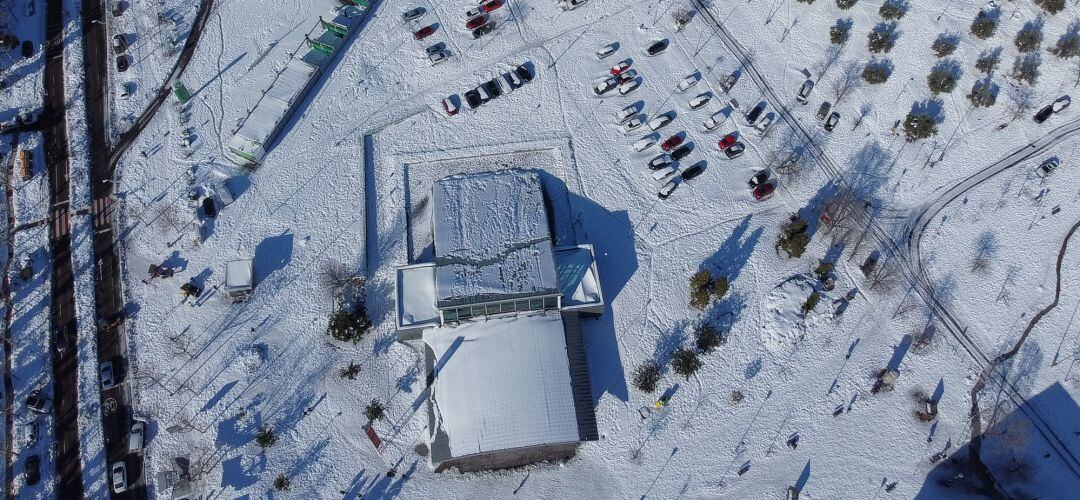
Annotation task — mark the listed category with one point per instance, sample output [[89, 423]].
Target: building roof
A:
[[239, 274], [492, 240], [416, 296], [502, 384], [578, 277]]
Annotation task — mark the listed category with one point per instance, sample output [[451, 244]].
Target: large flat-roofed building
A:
[[498, 311]]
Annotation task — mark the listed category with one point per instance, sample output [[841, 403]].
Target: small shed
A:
[[239, 279]]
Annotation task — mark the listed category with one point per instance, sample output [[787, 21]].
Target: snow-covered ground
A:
[[346, 180]]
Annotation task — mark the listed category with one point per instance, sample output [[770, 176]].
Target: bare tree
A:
[[864, 111], [1010, 274], [848, 80], [887, 277], [1021, 101], [181, 344], [986, 248], [832, 54], [333, 277], [844, 212], [682, 16]]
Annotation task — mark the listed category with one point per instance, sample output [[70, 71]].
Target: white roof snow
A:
[[491, 237], [238, 274], [502, 384], [578, 278], [416, 296], [274, 106]]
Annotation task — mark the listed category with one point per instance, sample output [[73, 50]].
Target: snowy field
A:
[[785, 402]]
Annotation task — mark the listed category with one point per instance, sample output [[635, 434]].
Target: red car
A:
[[619, 68], [477, 22], [424, 32], [492, 5], [671, 142], [764, 190], [727, 141]]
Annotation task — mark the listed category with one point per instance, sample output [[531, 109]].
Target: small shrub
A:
[[737, 397], [375, 410], [846, 4], [794, 237], [350, 372], [893, 9], [988, 60], [719, 288], [707, 339], [823, 269], [1068, 46], [877, 71], [983, 93], [882, 38], [944, 45], [811, 302], [984, 26], [1026, 67], [919, 126], [942, 79], [1029, 37], [839, 32], [701, 285], [349, 325], [1051, 6], [647, 376], [685, 362], [265, 438], [282, 483]]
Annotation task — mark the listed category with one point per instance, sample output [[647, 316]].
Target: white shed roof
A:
[[239, 274], [492, 239], [275, 104], [503, 384]]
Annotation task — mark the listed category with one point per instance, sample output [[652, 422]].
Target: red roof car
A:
[[492, 5], [764, 190], [727, 141], [671, 142], [449, 106], [424, 32], [619, 68], [477, 22]]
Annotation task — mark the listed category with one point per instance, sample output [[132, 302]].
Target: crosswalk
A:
[[101, 209]]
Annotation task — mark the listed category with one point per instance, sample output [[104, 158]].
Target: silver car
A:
[[118, 473]]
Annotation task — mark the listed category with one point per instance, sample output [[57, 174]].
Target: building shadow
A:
[[272, 254]]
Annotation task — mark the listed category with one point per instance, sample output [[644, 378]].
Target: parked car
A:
[[1061, 103], [435, 47], [620, 67], [438, 57], [657, 47], [630, 86], [804, 91], [758, 178], [33, 470], [700, 100], [664, 173], [1044, 113], [681, 152], [626, 76], [60, 341], [36, 402], [671, 142], [119, 476], [122, 63], [30, 433], [755, 113], [660, 161], [416, 13], [493, 89], [693, 171], [477, 21], [633, 124], [126, 89], [646, 142], [830, 124], [474, 13], [1047, 167], [735, 150], [728, 141], [513, 80], [108, 380], [451, 108], [483, 30], [688, 82], [120, 43], [523, 73], [607, 50], [728, 81], [605, 86], [472, 98], [491, 5], [764, 191], [424, 32], [626, 113], [763, 124], [571, 4], [823, 110], [667, 189], [137, 436], [27, 49], [717, 118], [659, 121]]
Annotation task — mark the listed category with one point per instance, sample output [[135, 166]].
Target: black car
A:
[[1043, 114], [735, 151], [680, 152], [830, 124], [36, 402], [61, 342], [657, 47], [823, 110], [472, 97], [524, 73], [693, 171], [121, 63], [33, 470], [483, 30], [27, 49], [209, 207], [759, 178], [493, 88], [753, 115]]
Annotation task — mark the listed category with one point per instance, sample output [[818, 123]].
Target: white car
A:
[[659, 121], [126, 89], [137, 437], [30, 433], [667, 189], [438, 57], [700, 100], [688, 82], [646, 142], [571, 4], [119, 477], [629, 86], [1047, 167], [634, 124], [108, 380], [664, 173], [763, 124], [718, 118], [473, 13], [607, 50], [626, 113]]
